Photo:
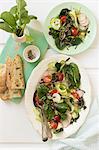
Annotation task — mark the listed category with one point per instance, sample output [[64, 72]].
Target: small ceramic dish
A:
[[31, 53]]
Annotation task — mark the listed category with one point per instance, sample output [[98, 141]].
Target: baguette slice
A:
[[9, 64], [2, 78], [13, 93], [6, 95], [2, 89], [16, 94], [10, 94], [17, 74]]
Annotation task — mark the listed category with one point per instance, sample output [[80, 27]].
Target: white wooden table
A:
[[14, 124]]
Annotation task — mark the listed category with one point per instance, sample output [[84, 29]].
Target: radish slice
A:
[[82, 17], [80, 92], [85, 23], [83, 20]]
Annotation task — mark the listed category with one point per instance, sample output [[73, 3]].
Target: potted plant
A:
[[15, 20]]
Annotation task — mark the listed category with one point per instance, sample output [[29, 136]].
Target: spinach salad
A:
[[69, 28], [59, 94]]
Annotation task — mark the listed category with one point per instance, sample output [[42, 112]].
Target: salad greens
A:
[[69, 28], [42, 91], [59, 93], [15, 20]]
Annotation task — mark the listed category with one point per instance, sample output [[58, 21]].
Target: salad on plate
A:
[[58, 96], [69, 28]]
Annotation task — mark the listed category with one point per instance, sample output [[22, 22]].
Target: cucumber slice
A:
[[51, 66], [55, 23], [75, 115], [61, 87]]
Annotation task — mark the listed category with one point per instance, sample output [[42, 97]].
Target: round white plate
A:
[[31, 87]]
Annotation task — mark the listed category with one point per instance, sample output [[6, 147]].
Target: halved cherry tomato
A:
[[57, 118], [63, 19], [76, 95], [47, 79], [74, 31], [60, 76], [54, 91], [53, 124]]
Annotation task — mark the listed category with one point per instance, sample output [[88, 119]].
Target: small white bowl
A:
[[34, 50]]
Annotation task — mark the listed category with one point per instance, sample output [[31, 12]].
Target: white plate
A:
[[31, 87]]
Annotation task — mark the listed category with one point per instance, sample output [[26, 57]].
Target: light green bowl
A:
[[88, 39]]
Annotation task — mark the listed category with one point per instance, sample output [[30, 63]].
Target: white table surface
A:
[[14, 124]]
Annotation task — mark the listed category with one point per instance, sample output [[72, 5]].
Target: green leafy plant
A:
[[15, 20]]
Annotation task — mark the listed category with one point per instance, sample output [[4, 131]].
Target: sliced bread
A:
[[17, 81], [2, 78], [13, 93]]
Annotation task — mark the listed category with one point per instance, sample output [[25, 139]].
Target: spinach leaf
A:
[[53, 32], [76, 74], [72, 74], [13, 10], [42, 91], [76, 41], [46, 106], [4, 26], [49, 112], [23, 16], [63, 116], [64, 12], [58, 66], [44, 98], [61, 107], [22, 12], [60, 44], [71, 82], [9, 19]]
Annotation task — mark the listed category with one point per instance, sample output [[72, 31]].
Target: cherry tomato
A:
[[63, 19], [57, 118], [47, 79], [76, 95], [74, 31], [60, 76], [54, 91], [53, 124]]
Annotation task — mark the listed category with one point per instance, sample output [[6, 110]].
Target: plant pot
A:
[[21, 39]]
